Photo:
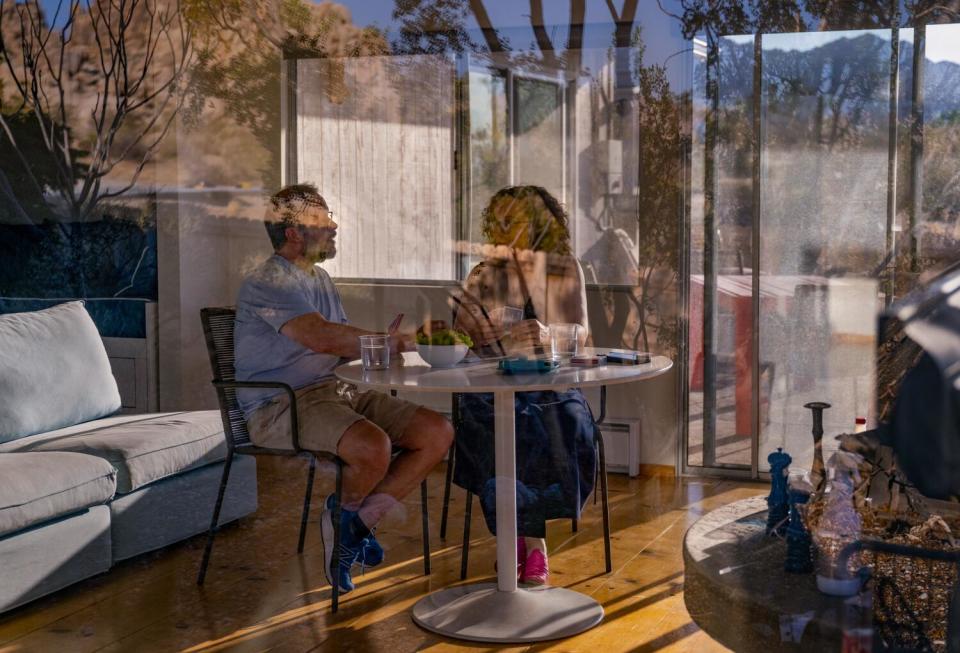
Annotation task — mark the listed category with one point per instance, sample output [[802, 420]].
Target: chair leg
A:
[[425, 518], [596, 469], [446, 493], [306, 503], [465, 551], [335, 562], [606, 506], [214, 522], [574, 524]]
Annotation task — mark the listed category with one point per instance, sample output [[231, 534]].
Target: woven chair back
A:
[[218, 325]]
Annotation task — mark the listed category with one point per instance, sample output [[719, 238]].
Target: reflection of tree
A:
[[22, 187], [660, 144], [847, 77], [85, 103], [446, 21], [716, 18], [240, 47]]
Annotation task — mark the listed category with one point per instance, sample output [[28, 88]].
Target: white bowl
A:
[[442, 355]]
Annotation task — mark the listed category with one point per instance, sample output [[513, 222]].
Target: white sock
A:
[[374, 507], [536, 544]]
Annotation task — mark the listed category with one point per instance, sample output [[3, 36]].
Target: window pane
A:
[[539, 133], [489, 148], [823, 229], [721, 251], [938, 228]]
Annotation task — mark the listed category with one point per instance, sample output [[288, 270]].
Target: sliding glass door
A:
[[820, 168]]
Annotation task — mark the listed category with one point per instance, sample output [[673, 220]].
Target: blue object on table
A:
[[799, 545], [523, 365], [777, 502]]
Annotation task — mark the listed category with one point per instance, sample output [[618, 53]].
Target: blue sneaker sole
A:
[[327, 539], [367, 565]]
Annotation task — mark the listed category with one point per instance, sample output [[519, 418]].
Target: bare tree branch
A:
[[124, 105]]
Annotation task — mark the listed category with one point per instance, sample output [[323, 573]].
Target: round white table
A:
[[502, 612]]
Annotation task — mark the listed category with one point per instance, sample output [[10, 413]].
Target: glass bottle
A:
[[839, 526]]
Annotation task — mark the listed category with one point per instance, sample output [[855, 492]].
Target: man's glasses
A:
[[307, 203]]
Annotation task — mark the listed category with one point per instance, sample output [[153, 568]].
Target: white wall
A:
[[206, 243]]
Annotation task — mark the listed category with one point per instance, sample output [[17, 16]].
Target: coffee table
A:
[[502, 612]]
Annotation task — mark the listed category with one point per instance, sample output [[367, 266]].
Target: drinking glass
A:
[[375, 352], [505, 317], [564, 340]]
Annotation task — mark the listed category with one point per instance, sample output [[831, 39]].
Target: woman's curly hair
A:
[[548, 231]]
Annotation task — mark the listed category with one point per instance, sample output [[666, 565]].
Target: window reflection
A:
[[852, 199]]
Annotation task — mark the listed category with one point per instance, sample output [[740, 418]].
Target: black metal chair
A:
[[601, 471], [218, 324]]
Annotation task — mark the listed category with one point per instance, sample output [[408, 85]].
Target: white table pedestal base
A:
[[482, 613]]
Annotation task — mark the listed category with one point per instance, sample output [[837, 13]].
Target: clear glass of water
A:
[[564, 340], [375, 352], [505, 317]]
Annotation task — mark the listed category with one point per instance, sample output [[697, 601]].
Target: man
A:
[[291, 327]]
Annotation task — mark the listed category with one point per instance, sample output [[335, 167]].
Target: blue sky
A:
[[511, 17], [943, 43]]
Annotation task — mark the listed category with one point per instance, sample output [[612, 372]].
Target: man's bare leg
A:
[[424, 443], [365, 451]]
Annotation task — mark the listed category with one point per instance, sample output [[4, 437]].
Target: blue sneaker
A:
[[348, 554], [371, 553]]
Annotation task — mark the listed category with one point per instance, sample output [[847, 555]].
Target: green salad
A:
[[444, 337]]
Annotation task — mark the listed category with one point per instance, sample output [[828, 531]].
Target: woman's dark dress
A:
[[555, 461]]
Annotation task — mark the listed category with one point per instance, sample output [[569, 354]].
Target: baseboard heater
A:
[[621, 441]]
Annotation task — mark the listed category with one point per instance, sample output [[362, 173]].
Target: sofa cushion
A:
[[54, 371], [142, 448], [38, 487]]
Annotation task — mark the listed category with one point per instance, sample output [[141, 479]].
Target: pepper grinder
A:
[[777, 502]]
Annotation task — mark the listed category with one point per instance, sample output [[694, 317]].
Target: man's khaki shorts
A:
[[326, 410]]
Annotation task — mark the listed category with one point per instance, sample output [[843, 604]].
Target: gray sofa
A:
[[81, 487]]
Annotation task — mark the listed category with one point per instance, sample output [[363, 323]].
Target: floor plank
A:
[[260, 595]]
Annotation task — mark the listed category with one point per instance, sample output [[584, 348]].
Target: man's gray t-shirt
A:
[[275, 293]]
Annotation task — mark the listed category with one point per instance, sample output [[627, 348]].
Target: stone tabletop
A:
[[738, 592]]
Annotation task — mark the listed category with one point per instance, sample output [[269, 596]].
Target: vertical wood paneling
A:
[[381, 153]]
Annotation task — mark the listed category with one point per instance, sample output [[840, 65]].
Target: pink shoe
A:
[[535, 571]]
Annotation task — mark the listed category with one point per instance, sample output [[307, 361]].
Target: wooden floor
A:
[[260, 595]]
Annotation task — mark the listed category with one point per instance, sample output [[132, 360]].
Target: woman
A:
[[527, 265]]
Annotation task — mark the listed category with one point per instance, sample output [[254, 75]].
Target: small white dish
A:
[[442, 355]]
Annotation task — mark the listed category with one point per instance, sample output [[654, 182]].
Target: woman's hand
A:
[[482, 330], [529, 333]]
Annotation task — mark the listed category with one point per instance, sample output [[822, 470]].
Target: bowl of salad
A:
[[443, 347]]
